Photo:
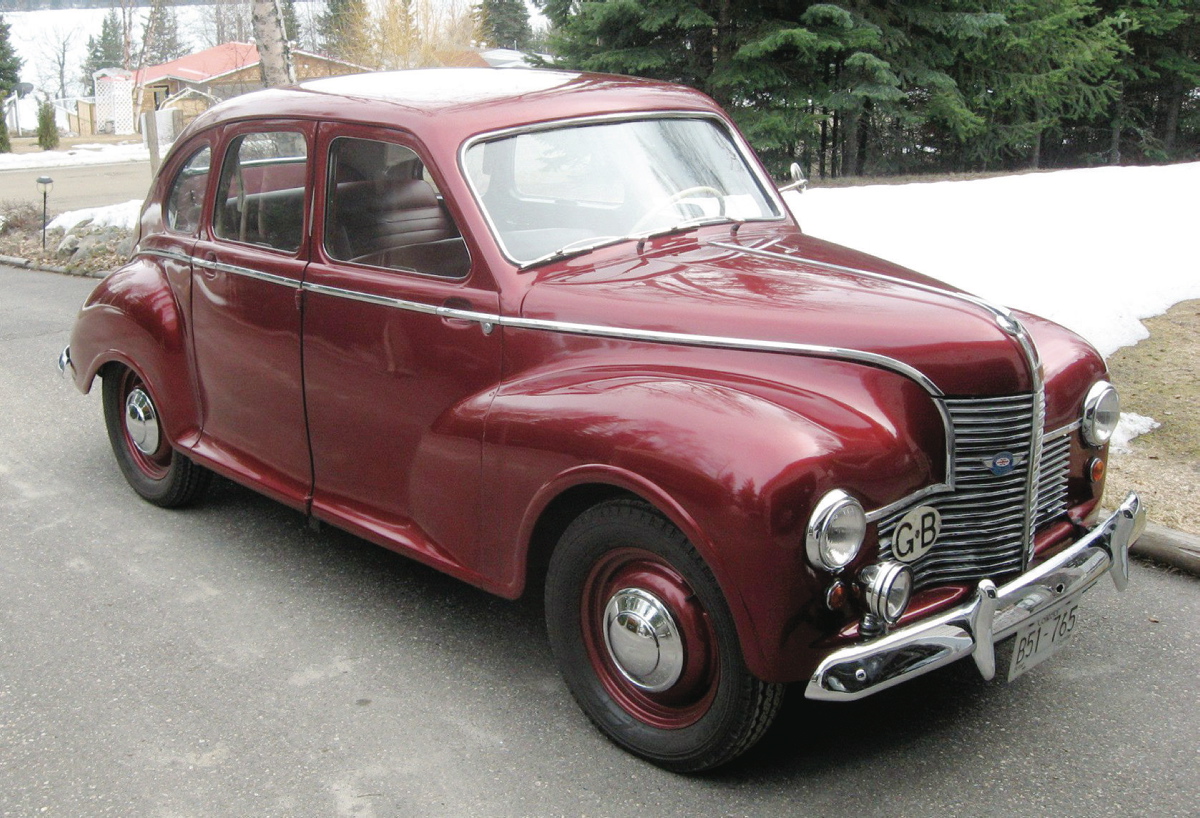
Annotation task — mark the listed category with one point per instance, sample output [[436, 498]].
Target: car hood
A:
[[786, 287]]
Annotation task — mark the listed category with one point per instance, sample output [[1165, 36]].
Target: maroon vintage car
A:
[[544, 328]]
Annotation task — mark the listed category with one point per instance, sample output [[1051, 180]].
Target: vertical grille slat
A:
[[984, 518]]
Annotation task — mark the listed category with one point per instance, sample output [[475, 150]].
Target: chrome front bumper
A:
[[64, 360], [973, 628]]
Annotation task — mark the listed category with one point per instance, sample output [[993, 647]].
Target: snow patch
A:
[[119, 215], [1130, 426]]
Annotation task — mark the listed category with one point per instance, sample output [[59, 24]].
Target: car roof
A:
[[456, 103]]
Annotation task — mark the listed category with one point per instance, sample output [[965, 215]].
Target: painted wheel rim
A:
[[649, 640], [142, 429]]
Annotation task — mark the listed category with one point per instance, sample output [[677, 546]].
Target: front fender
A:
[[135, 317], [737, 463]]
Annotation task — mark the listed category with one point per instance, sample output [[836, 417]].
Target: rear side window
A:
[[261, 196], [186, 200]]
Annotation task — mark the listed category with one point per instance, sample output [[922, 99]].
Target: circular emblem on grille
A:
[[1002, 463]]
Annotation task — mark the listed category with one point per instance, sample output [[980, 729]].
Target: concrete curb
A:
[[1166, 545], [26, 264]]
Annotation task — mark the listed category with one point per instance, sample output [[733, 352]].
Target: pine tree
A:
[[47, 127], [344, 31], [1051, 62], [161, 35], [10, 63], [291, 23], [10, 75], [504, 24], [107, 52]]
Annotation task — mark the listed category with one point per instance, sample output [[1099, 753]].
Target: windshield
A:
[[556, 192]]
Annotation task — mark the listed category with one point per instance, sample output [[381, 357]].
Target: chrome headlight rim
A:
[[837, 513], [887, 589], [1101, 414]]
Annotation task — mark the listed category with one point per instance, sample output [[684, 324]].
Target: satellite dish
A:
[[24, 88]]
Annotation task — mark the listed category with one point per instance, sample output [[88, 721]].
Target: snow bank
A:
[[1096, 250], [119, 215]]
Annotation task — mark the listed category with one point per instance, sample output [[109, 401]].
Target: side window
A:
[[260, 199], [186, 199], [382, 210]]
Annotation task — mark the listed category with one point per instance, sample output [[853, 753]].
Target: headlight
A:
[[1101, 412], [887, 587], [835, 531]]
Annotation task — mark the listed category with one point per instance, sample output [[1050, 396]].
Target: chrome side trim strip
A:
[[167, 254], [246, 272], [648, 335]]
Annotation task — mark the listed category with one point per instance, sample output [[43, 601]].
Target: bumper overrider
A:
[[993, 614]]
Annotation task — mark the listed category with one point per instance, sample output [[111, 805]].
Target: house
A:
[[195, 82]]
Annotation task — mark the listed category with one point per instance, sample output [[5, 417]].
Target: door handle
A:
[[458, 305]]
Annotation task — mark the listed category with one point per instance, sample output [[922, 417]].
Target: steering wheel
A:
[[651, 215]]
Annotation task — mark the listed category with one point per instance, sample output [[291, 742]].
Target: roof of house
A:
[[202, 65]]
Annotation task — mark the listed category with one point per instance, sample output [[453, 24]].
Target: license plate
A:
[[1043, 637]]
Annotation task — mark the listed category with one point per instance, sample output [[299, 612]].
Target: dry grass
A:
[[1160, 377]]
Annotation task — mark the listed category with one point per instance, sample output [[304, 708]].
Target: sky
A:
[[1097, 250]]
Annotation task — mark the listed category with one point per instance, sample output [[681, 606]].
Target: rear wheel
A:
[[155, 471], [646, 643]]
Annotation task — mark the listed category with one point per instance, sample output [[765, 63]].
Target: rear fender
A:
[[134, 317]]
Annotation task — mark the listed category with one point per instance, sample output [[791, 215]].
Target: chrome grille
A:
[[1052, 479], [983, 518]]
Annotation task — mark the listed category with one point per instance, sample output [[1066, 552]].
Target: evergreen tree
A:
[[107, 52], [10, 75], [160, 36], [504, 24], [1052, 61], [1155, 115], [47, 127], [345, 31], [291, 23]]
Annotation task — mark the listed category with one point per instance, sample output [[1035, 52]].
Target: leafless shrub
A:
[[19, 217]]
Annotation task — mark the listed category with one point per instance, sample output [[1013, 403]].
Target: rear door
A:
[[246, 307]]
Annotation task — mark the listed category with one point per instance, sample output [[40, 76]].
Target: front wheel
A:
[[157, 472], [646, 643]]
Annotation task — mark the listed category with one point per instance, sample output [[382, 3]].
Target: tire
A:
[[683, 698], [156, 472]]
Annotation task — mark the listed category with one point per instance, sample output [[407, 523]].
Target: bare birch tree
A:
[[274, 54]]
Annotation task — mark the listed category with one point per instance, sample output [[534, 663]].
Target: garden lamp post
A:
[[45, 185]]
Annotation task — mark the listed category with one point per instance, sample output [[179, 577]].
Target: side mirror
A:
[[798, 181]]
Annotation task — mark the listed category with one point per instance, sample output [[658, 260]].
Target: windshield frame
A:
[[744, 151]]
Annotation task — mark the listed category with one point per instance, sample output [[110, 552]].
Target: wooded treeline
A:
[[885, 88]]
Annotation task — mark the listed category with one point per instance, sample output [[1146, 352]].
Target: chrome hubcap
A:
[[643, 640], [141, 421]]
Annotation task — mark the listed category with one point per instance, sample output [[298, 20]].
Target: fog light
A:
[[887, 587], [1101, 413], [835, 531]]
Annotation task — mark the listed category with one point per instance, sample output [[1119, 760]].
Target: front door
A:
[[397, 395]]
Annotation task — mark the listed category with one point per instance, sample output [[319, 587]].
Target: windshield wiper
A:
[[581, 246], [689, 224], [576, 248]]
